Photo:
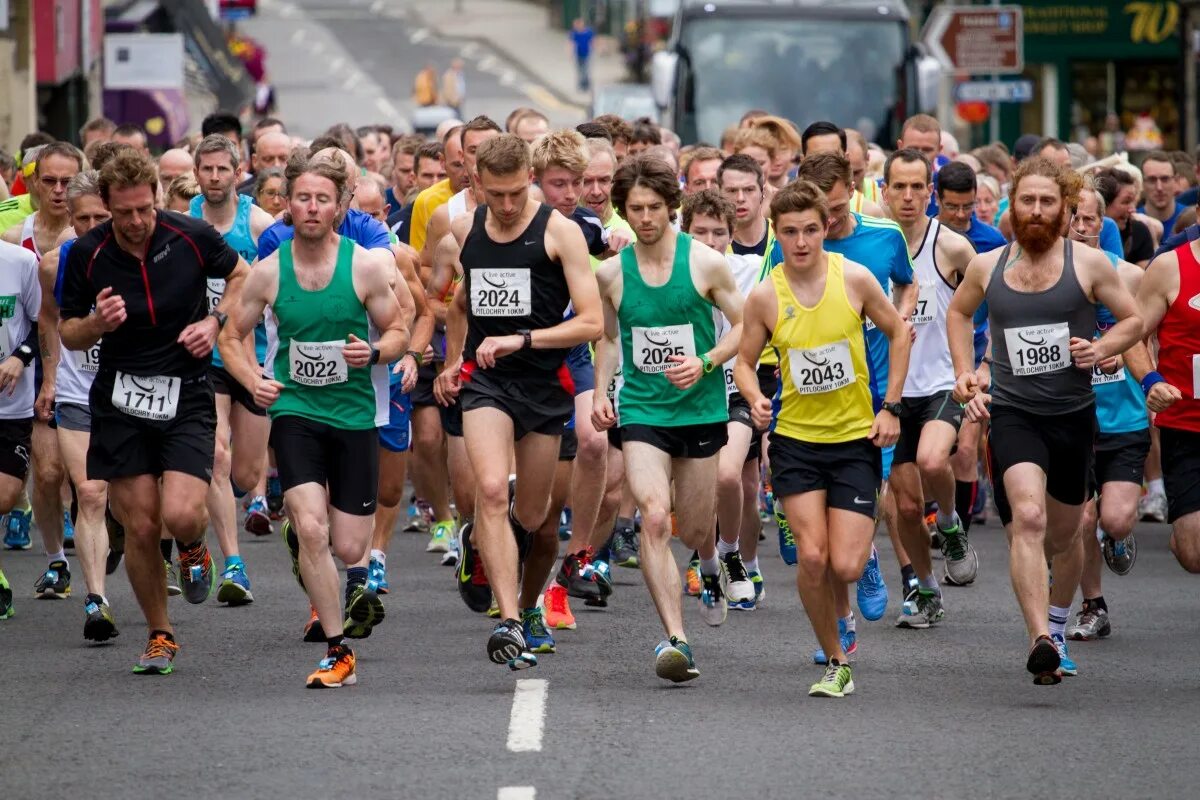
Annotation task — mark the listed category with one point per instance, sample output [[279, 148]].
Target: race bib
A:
[[500, 292], [1100, 378], [214, 290], [6, 348], [1038, 349], [730, 386], [822, 369], [317, 363], [87, 360], [653, 347], [1196, 376], [148, 397], [926, 304]]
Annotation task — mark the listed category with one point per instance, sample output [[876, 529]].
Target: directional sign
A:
[[976, 39], [994, 92]]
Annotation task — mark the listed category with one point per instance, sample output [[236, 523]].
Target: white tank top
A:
[[930, 369], [745, 269], [456, 206], [76, 368], [28, 240]]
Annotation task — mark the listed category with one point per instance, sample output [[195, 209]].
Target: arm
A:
[[441, 281], [447, 384], [422, 326], [1107, 288], [86, 314], [885, 430], [259, 221], [756, 332], [200, 337], [13, 234], [722, 290], [439, 226], [48, 341], [1158, 289], [960, 329], [259, 287], [608, 349], [384, 309]]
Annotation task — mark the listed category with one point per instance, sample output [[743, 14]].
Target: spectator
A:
[[425, 86], [581, 39], [454, 87]]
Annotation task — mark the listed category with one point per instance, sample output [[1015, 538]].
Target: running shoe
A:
[[741, 590], [335, 670], [760, 588], [172, 579], [574, 575], [420, 514], [1066, 667], [116, 542], [16, 528], [313, 632], [1119, 554], [55, 582], [293, 547], [564, 525], [962, 562], [692, 585], [377, 576], [787, 540], [159, 657], [196, 573], [600, 571], [441, 537], [673, 661], [473, 585], [493, 610], [849, 642], [235, 586], [533, 628], [558, 609], [364, 610], [68, 531], [714, 608], [922, 609], [836, 682], [1091, 623], [100, 625], [1153, 507], [451, 556], [1043, 662], [274, 497], [6, 598], [506, 645], [258, 517], [625, 547], [872, 591]]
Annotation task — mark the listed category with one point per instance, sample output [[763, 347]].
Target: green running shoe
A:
[[364, 610], [293, 545], [835, 683], [6, 597], [537, 638]]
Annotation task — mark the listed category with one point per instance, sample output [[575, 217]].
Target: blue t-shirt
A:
[[364, 229], [1120, 404], [1110, 238], [400, 223], [1189, 234], [241, 239], [879, 245], [1169, 223], [984, 237], [583, 42]]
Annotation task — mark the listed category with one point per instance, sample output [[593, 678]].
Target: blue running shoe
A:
[[760, 588], [68, 531], [849, 644], [673, 661], [537, 636], [274, 497], [1066, 666], [787, 542], [235, 585], [16, 528], [377, 575], [872, 590]]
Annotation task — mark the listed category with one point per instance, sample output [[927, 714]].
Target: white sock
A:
[[725, 548], [849, 620], [945, 520], [751, 564], [931, 583], [1058, 620], [379, 556], [710, 566], [1155, 486], [61, 555]]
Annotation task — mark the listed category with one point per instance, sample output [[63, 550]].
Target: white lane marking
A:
[[418, 36], [287, 10], [298, 36], [508, 77], [528, 715], [336, 64], [469, 50], [516, 793], [351, 79], [377, 6], [318, 47]]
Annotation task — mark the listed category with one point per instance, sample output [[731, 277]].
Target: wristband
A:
[[374, 355], [1151, 378], [417, 357]]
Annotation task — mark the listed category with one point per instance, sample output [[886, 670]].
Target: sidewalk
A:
[[521, 33]]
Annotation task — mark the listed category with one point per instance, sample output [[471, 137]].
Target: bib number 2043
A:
[[153, 397], [822, 369]]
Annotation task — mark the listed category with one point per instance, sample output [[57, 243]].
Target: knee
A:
[[247, 472], [845, 568], [491, 495], [350, 552], [91, 496], [427, 438], [311, 530], [48, 471], [656, 522], [184, 517], [729, 479], [1028, 520], [931, 463], [812, 563], [1117, 523], [1187, 552], [593, 448], [909, 506], [391, 493], [221, 458]]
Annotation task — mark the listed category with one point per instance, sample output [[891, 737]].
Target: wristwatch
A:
[[417, 357], [25, 353], [892, 408], [707, 363], [221, 318], [374, 355], [527, 334]]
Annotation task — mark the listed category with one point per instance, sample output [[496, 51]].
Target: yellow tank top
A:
[[824, 371]]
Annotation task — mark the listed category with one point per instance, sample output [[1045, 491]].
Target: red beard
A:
[[1038, 237]]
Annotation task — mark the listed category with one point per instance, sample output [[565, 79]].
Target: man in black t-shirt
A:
[[137, 285]]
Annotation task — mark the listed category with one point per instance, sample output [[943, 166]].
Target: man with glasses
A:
[[1158, 179]]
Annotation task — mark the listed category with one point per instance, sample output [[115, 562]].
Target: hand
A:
[[407, 367], [44, 405], [1083, 352], [686, 372], [912, 329], [761, 412], [266, 392], [965, 387], [983, 376], [1109, 366], [428, 356], [494, 347], [603, 416], [448, 384], [110, 309], [10, 374], [357, 352], [976, 409], [1162, 396], [885, 430], [199, 337], [617, 240]]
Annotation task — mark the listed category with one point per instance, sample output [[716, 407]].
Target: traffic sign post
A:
[[977, 39]]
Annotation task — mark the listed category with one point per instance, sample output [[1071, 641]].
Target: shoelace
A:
[[873, 579], [160, 647], [953, 545], [195, 557], [735, 567], [832, 673], [557, 602], [537, 626]]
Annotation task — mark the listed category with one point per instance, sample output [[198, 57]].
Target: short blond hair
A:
[[781, 131], [562, 148], [755, 137]]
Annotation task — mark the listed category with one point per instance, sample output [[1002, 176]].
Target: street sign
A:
[[994, 92], [977, 39]]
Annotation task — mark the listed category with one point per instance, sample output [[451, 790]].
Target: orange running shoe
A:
[[335, 670], [159, 656], [694, 583], [558, 609], [313, 632]]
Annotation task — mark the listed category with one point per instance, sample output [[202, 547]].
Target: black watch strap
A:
[[25, 354], [374, 355], [220, 317]]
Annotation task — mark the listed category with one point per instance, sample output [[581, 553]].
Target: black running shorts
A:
[[1181, 471], [848, 472], [685, 441], [540, 404], [315, 452], [1120, 458], [15, 445], [224, 383], [917, 412]]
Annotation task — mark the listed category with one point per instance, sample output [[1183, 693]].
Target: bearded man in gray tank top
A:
[[1040, 295]]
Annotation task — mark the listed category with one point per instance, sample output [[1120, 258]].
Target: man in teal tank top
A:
[[335, 324], [670, 405], [240, 222]]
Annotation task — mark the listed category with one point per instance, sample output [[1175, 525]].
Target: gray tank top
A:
[[1031, 334]]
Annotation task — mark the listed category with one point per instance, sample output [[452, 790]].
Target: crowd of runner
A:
[[599, 336]]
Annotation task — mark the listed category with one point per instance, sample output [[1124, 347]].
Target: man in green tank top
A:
[[658, 298], [335, 325]]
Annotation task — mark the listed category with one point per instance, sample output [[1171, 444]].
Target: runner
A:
[[333, 303], [670, 407], [1040, 298], [825, 461], [153, 421], [505, 345]]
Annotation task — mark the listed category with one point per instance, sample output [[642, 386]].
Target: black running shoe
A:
[[506, 645], [1044, 661], [100, 626], [293, 547], [55, 582], [364, 610], [473, 586], [625, 548], [116, 541], [571, 576]]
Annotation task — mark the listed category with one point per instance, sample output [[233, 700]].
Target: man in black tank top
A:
[[1041, 295], [506, 339]]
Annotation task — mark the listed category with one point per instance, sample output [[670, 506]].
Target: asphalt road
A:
[[948, 712]]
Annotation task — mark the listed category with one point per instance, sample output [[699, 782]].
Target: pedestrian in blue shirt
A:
[[581, 37]]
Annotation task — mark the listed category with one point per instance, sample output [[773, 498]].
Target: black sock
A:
[[187, 548], [1097, 602], [908, 576], [334, 641], [165, 546], [964, 498], [355, 576], [624, 523]]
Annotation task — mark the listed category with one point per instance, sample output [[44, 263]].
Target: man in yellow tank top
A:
[[825, 440]]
